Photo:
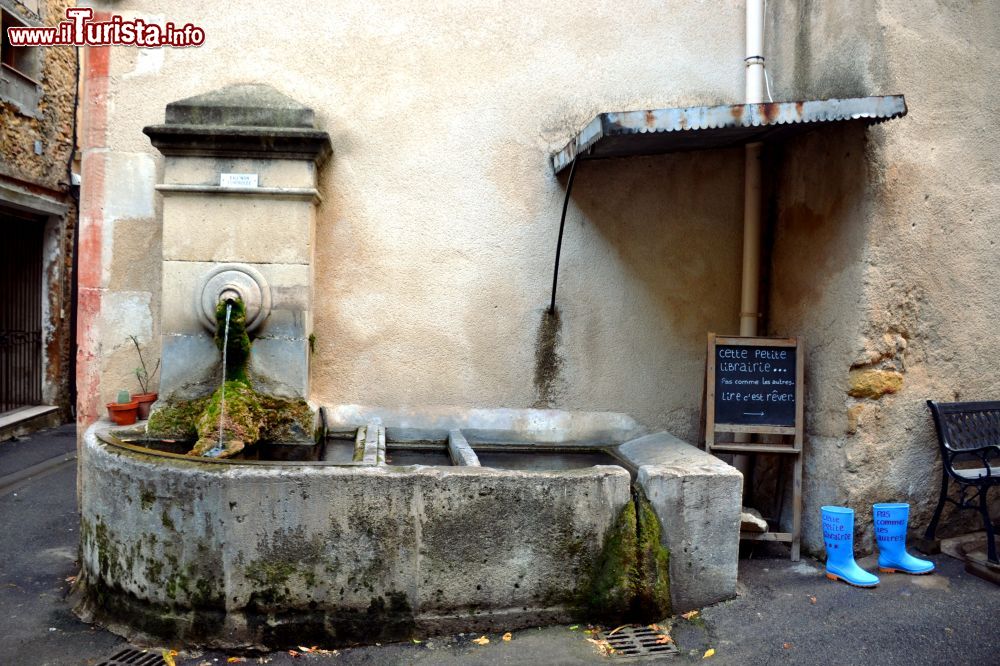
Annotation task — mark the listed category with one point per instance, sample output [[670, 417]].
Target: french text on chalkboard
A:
[[755, 385]]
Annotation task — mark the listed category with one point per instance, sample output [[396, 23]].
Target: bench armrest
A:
[[983, 454]]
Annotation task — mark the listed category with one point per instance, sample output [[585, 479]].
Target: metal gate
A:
[[20, 311]]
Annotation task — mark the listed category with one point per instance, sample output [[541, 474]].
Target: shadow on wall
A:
[[820, 226], [651, 263]]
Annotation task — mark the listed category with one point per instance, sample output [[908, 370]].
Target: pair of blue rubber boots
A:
[[890, 535]]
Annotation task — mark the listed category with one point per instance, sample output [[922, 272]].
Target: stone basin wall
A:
[[238, 554], [243, 555]]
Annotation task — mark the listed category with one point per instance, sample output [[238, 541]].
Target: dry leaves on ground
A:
[[708, 653], [812, 599], [482, 640], [507, 636], [168, 657], [690, 615], [602, 646]]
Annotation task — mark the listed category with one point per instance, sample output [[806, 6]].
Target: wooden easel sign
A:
[[753, 385]]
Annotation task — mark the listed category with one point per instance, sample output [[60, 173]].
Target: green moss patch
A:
[[652, 599], [176, 420], [238, 343], [630, 582]]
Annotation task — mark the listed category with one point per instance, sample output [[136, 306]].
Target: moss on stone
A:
[[241, 417], [630, 581], [238, 346], [611, 588], [652, 599], [147, 497], [286, 420], [176, 420]]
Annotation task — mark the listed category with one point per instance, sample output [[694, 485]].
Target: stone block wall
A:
[[36, 154], [885, 245]]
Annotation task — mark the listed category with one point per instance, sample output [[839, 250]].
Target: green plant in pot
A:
[[124, 409], [145, 398]]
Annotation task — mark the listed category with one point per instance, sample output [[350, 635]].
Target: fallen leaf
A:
[[603, 647], [812, 599], [787, 646], [416, 640], [168, 657], [708, 653], [690, 615], [293, 653], [235, 660], [616, 630], [482, 640], [574, 627], [654, 627], [71, 579], [664, 639], [507, 636]]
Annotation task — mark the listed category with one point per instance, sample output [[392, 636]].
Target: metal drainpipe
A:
[[750, 290]]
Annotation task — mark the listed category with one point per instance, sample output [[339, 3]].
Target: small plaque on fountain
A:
[[238, 180]]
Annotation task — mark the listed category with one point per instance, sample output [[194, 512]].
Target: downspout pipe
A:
[[754, 93], [750, 285]]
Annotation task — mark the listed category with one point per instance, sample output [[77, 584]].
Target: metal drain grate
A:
[[633, 643], [133, 657]]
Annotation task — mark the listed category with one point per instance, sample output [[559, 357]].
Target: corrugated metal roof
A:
[[625, 133]]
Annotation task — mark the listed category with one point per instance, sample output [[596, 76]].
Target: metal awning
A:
[[651, 132]]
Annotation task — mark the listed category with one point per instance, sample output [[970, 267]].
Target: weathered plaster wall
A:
[[46, 175], [437, 231], [885, 257]]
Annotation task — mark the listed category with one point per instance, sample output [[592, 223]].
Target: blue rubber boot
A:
[[838, 536], [890, 535]]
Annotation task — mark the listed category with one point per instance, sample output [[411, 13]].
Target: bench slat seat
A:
[[980, 473], [968, 433]]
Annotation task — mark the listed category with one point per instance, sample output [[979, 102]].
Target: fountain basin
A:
[[254, 554]]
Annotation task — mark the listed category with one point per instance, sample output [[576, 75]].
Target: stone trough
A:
[[255, 554]]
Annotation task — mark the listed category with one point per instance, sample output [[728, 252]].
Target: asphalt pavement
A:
[[786, 613]]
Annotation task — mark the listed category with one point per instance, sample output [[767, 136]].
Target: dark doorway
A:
[[20, 310]]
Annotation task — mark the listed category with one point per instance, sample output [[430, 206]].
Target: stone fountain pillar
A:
[[239, 209]]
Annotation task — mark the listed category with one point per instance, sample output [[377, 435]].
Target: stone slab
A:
[[240, 228], [270, 173], [191, 366], [280, 366], [460, 451], [290, 299], [697, 498], [551, 426]]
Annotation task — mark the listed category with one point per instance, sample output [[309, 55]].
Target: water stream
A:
[[222, 396]]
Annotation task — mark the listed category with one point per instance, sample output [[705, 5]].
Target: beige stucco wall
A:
[[885, 255], [436, 234]]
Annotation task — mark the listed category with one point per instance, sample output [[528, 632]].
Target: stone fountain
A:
[[239, 195], [393, 524]]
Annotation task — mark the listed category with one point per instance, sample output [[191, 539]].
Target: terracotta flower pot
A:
[[145, 401], [123, 413]]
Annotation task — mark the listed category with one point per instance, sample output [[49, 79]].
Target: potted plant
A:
[[145, 377], [123, 411]]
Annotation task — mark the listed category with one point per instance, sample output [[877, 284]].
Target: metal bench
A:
[[968, 433]]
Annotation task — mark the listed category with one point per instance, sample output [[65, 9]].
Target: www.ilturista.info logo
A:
[[79, 30]]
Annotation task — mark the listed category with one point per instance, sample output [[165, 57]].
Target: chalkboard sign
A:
[[753, 390], [755, 384]]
